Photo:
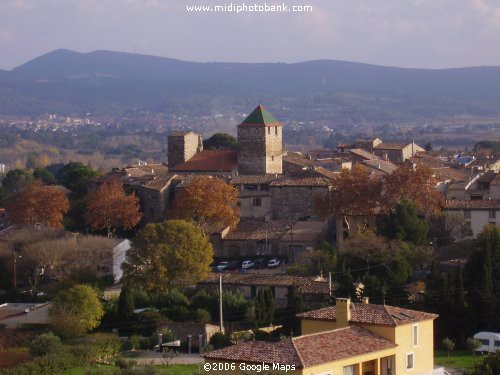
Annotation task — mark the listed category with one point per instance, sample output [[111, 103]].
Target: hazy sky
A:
[[410, 33]]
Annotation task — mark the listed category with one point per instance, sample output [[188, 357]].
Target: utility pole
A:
[[221, 325], [14, 273]]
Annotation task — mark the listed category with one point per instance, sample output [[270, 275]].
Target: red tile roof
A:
[[308, 350], [453, 204], [391, 146], [210, 161], [371, 314]]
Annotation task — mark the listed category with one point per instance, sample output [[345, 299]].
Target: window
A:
[[250, 187], [415, 335], [272, 158], [257, 202], [467, 214], [485, 342], [409, 361], [275, 130], [269, 130], [492, 214], [349, 370]]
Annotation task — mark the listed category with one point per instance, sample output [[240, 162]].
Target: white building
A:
[[474, 215]]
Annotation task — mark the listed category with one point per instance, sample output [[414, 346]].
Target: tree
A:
[[403, 224], [208, 202], [472, 344], [219, 341], [75, 177], [448, 345], [126, 304], [39, 204], [490, 365], [170, 254], [109, 208], [264, 307], [220, 141], [76, 311], [412, 183], [46, 176], [16, 180], [355, 196]]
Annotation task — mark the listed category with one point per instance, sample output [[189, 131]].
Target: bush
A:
[[219, 341], [172, 298], [125, 364], [135, 342], [44, 344], [202, 316], [102, 345]]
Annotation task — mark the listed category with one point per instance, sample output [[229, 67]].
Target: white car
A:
[[247, 264], [222, 266], [273, 263]]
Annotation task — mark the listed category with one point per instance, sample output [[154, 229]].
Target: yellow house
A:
[[345, 339]]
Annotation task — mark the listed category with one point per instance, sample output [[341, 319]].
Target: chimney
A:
[[343, 312], [366, 300]]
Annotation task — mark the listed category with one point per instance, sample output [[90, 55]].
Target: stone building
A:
[[182, 146], [260, 140]]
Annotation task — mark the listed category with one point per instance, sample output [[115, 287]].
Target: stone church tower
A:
[[260, 140]]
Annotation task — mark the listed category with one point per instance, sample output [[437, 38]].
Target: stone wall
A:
[[182, 147], [295, 202], [260, 150]]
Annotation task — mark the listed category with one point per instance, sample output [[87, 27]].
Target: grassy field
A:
[[461, 359], [166, 370]]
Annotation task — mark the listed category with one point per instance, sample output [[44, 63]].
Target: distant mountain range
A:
[[108, 82]]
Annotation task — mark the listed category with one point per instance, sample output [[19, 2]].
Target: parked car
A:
[[246, 264], [273, 263], [222, 266]]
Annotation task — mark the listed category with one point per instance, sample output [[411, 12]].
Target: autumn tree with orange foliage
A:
[[355, 196], [109, 208], [412, 183], [39, 204], [208, 202]]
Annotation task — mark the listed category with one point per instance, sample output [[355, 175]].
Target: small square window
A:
[[257, 202], [415, 335], [492, 214]]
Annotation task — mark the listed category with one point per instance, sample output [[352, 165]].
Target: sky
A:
[[405, 33]]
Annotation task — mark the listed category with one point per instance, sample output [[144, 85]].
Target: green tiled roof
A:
[[259, 116]]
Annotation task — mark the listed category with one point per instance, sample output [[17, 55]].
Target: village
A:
[[363, 259]]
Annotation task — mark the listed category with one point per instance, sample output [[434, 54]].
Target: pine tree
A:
[[126, 304]]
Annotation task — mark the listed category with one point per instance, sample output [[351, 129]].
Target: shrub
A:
[[44, 344], [125, 364], [172, 298], [134, 342], [202, 316], [102, 345], [219, 341]]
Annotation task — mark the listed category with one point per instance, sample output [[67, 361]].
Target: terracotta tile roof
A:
[[210, 161], [295, 158], [453, 204], [305, 179], [488, 176], [159, 183], [283, 352], [256, 230], [308, 350], [371, 314], [326, 173], [391, 146], [338, 344], [304, 285], [382, 165], [364, 154], [253, 179]]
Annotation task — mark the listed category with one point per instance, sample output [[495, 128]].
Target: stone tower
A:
[[182, 146], [260, 141]]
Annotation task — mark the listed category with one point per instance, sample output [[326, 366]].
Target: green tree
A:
[[220, 141], [16, 180], [264, 307], [490, 365], [126, 304], [75, 177], [404, 224], [46, 176], [294, 306], [473, 344], [166, 255], [219, 341], [235, 305], [76, 311]]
